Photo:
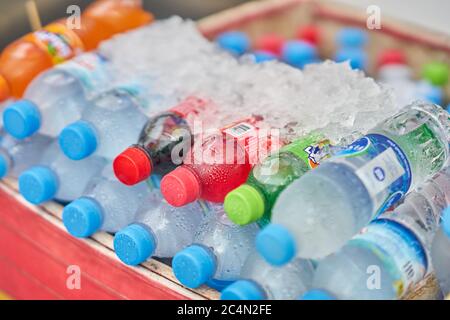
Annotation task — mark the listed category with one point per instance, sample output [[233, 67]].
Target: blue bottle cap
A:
[[78, 140], [218, 285], [134, 244], [299, 53], [4, 166], [317, 294], [235, 42], [352, 38], [446, 221], [194, 266], [38, 184], [83, 217], [262, 56], [276, 244], [22, 119], [243, 290], [357, 58]]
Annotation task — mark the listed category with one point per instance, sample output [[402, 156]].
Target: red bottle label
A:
[[191, 107]]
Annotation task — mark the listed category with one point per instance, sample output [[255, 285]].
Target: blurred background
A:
[[431, 14]]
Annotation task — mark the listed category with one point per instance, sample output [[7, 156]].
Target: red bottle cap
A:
[[391, 56], [270, 42], [132, 166], [180, 187], [310, 34]]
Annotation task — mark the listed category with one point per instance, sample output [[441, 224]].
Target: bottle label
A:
[[58, 41], [399, 249], [386, 169], [191, 107], [312, 149], [90, 68]]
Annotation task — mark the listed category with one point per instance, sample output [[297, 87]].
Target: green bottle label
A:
[[312, 149]]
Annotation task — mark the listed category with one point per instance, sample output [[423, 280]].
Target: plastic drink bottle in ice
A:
[[219, 251], [235, 42], [392, 254], [112, 122], [57, 97], [218, 164], [158, 230], [435, 77], [319, 212], [57, 177], [106, 205], [394, 72], [253, 201], [440, 253], [262, 281], [36, 52], [19, 155], [162, 143]]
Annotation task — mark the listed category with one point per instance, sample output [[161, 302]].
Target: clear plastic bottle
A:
[[440, 253], [57, 177], [392, 254], [106, 205], [318, 213], [262, 281], [19, 155], [158, 230], [219, 251], [113, 121], [57, 97]]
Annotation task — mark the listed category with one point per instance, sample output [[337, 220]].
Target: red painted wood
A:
[[52, 250], [19, 285]]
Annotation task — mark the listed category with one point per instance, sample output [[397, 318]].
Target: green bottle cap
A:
[[244, 205], [436, 73]]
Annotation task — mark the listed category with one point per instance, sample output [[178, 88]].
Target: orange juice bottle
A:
[[25, 58]]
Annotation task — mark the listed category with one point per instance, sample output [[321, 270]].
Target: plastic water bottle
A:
[[392, 254], [253, 201], [318, 213], [235, 42], [262, 281], [162, 143], [440, 253], [57, 177], [112, 122], [435, 77], [298, 53], [218, 164], [106, 205], [219, 251], [159, 230], [394, 72], [19, 155], [57, 97]]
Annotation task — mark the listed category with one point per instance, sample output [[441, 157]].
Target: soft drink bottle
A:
[[218, 164], [112, 122], [24, 59], [219, 251], [57, 97], [316, 214], [435, 77], [159, 230], [162, 142], [106, 205], [392, 254], [253, 201], [235, 42], [19, 155], [440, 253], [57, 177], [262, 281]]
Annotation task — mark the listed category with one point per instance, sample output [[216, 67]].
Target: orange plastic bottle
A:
[[25, 58]]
